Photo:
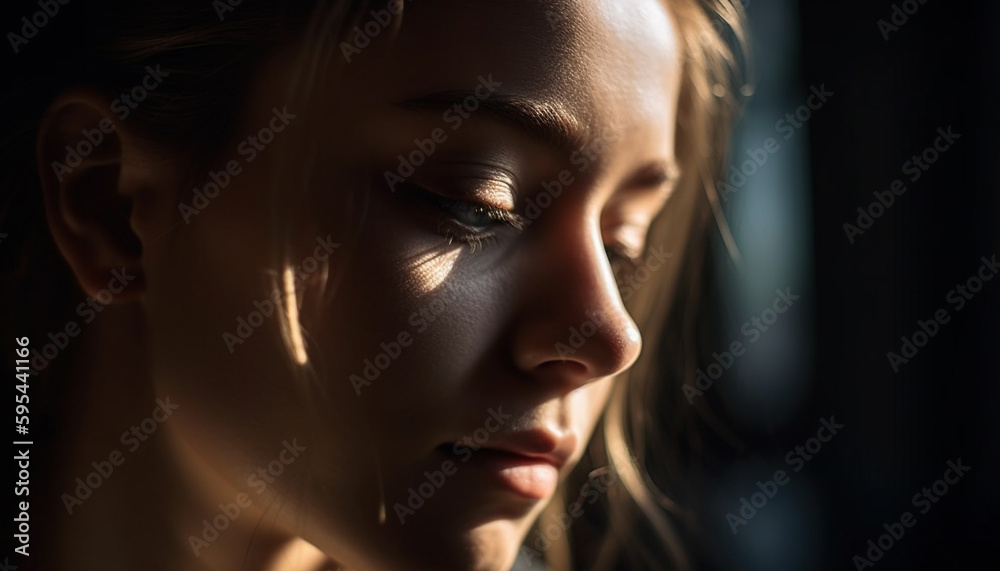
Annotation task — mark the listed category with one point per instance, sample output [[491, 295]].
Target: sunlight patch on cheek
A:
[[300, 554], [292, 310], [430, 270]]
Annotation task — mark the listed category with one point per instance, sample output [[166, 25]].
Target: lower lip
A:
[[527, 477]]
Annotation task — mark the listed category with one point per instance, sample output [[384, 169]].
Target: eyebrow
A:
[[544, 121]]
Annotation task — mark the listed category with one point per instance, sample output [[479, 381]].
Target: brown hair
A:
[[193, 115], [671, 313]]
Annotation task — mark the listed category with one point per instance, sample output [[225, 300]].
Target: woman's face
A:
[[471, 326]]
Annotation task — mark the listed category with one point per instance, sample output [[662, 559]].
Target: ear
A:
[[80, 150]]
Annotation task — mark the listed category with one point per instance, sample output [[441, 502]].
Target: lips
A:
[[537, 445], [524, 463]]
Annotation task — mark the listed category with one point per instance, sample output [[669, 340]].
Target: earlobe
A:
[[80, 149]]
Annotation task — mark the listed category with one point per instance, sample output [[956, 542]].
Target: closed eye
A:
[[622, 260], [468, 222]]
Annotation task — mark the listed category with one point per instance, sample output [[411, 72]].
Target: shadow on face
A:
[[465, 190]]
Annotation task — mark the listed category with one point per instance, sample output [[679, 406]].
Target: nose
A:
[[573, 327]]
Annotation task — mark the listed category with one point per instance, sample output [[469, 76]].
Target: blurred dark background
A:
[[893, 88], [938, 70]]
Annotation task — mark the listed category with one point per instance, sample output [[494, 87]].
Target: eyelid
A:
[[622, 263], [452, 227], [629, 234], [497, 194], [488, 184]]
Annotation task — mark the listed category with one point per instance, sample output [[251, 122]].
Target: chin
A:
[[426, 546]]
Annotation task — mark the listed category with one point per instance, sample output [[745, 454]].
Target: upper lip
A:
[[537, 444]]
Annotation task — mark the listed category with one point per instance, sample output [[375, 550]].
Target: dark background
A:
[[937, 70]]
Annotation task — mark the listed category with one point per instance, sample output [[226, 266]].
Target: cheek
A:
[[586, 405], [404, 328], [212, 318]]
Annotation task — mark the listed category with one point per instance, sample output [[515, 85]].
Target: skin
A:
[[611, 71]]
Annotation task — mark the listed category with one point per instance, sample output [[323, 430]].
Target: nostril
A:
[[564, 366]]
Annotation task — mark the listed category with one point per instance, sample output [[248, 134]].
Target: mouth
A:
[[519, 464], [530, 477]]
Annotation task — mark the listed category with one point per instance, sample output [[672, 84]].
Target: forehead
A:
[[605, 63]]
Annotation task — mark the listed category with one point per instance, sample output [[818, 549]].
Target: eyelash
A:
[[621, 260], [454, 229]]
